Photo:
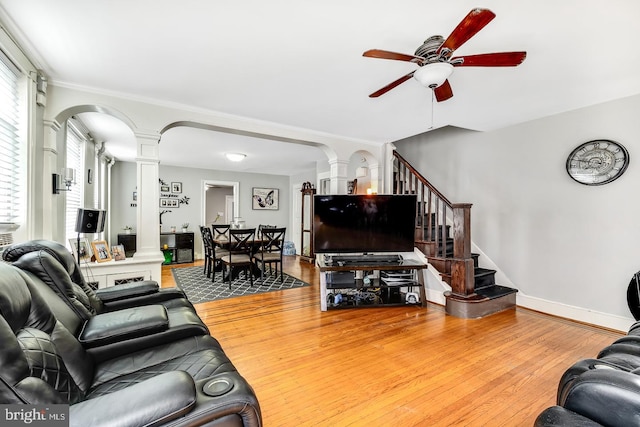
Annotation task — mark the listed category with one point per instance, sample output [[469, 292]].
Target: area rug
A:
[[199, 288]]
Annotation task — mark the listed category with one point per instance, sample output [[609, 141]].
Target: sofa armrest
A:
[[557, 416], [164, 296], [152, 402], [107, 328], [608, 397], [127, 290]]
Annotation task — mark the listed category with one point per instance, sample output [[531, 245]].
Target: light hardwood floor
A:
[[396, 366]]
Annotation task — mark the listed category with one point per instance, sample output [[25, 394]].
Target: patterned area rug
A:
[[199, 288]]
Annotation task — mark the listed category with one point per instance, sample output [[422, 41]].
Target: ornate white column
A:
[[52, 204], [147, 219], [338, 176]]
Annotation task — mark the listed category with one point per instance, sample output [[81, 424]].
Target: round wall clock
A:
[[597, 162]]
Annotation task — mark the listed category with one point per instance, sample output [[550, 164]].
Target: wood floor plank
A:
[[406, 366]]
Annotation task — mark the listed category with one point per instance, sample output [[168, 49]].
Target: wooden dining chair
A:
[[219, 241], [240, 247], [262, 227], [271, 251], [208, 250]]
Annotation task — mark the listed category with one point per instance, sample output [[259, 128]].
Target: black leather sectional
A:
[[604, 391], [130, 355]]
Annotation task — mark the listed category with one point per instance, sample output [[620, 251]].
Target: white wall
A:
[[124, 179], [570, 249]]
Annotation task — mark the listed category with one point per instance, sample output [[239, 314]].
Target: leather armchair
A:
[[172, 384], [106, 333], [604, 391], [108, 299]]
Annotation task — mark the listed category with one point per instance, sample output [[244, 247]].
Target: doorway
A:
[[220, 202]]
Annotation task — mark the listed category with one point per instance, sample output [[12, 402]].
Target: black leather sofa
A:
[[107, 299], [604, 391], [126, 376]]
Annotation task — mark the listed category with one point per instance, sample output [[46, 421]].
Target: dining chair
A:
[[240, 247], [271, 250], [219, 242], [262, 227], [208, 250]]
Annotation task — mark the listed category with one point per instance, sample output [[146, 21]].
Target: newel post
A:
[[462, 268]]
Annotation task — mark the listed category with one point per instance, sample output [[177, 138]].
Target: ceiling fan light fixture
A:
[[434, 74], [235, 157]]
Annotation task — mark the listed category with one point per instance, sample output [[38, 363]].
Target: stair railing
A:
[[443, 229]]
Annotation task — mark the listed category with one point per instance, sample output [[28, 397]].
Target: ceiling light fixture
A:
[[434, 74], [235, 157]]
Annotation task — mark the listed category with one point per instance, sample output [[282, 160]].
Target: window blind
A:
[[74, 157], [10, 144]]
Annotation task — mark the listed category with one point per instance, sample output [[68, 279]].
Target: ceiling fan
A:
[[435, 60]]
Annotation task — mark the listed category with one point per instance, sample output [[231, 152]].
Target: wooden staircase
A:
[[443, 234]]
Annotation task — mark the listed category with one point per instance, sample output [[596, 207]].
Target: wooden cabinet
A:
[[306, 223], [178, 245]]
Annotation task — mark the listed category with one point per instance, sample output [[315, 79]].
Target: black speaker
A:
[[90, 221]]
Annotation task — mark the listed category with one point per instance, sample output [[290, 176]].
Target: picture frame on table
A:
[[265, 198], [117, 252], [101, 250], [85, 249]]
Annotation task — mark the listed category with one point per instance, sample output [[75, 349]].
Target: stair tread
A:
[[479, 271], [495, 291]]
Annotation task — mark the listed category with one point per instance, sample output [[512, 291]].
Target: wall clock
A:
[[597, 162]]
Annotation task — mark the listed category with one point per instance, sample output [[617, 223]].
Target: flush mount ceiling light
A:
[[235, 157], [434, 74]]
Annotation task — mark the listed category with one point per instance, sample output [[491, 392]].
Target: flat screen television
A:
[[363, 223]]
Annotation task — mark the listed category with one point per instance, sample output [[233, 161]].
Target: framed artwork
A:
[[135, 196], [265, 198], [165, 188], [85, 249], [117, 252], [176, 187], [101, 251], [166, 202]]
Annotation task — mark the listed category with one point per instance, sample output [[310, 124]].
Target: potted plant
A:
[[127, 229], [185, 226]]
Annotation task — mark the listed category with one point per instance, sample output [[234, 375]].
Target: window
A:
[[75, 159], [11, 148]]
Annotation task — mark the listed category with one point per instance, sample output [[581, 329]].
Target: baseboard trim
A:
[[552, 308], [579, 314]]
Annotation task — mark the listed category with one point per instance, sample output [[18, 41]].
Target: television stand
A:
[[362, 259], [354, 281]]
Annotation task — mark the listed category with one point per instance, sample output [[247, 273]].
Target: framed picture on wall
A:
[[165, 188], [176, 187], [265, 198]]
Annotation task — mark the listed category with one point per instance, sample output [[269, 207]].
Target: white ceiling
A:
[[299, 63]]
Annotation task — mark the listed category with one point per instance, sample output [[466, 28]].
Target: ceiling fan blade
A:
[[385, 54], [502, 59], [467, 28], [391, 85], [443, 92]]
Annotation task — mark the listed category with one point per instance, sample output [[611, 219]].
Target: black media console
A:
[[370, 280]]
